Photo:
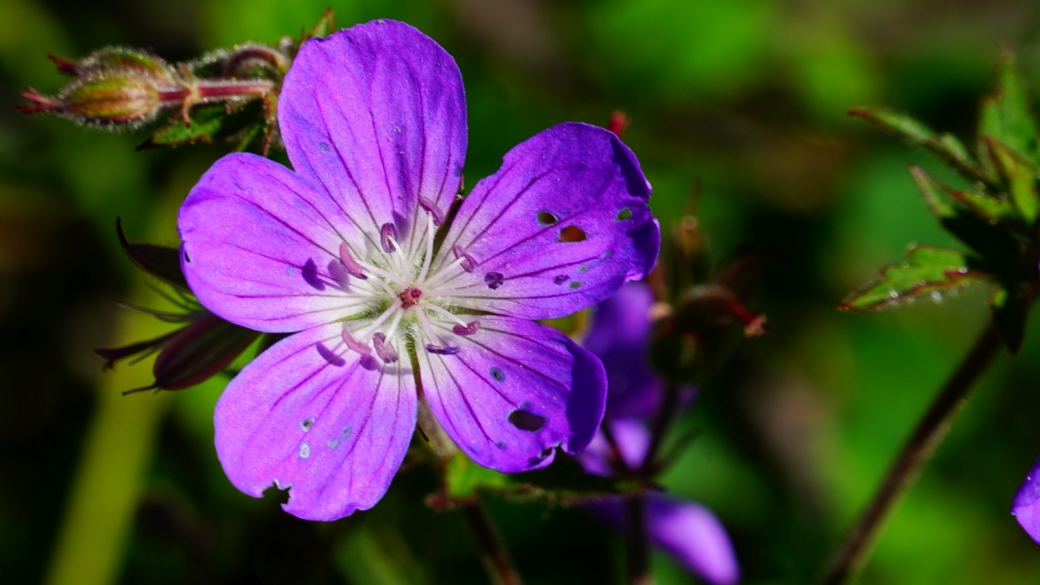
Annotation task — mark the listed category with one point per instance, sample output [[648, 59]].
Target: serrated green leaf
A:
[[1010, 307], [927, 271], [1019, 176], [159, 261], [945, 146], [563, 483], [208, 123], [1006, 115], [977, 219]]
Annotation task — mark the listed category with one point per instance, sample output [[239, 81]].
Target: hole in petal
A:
[[186, 259], [573, 233], [547, 218], [560, 279], [306, 424], [494, 280], [624, 214], [305, 451], [574, 284], [498, 374], [526, 421]]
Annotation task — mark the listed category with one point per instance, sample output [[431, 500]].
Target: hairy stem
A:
[[915, 453], [493, 552]]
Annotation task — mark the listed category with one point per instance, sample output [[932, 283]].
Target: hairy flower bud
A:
[[113, 88]]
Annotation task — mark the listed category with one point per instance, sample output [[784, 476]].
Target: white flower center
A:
[[404, 297]]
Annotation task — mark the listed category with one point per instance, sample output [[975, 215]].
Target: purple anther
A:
[[494, 280], [349, 263], [354, 344], [468, 264], [432, 209], [387, 237], [384, 350], [467, 330], [449, 350]]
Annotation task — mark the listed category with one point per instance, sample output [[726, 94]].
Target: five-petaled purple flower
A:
[[620, 335], [394, 306]]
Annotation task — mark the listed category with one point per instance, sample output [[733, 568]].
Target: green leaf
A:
[[159, 261], [562, 483], [208, 123], [928, 271], [945, 146], [1010, 310], [1020, 177], [977, 219], [1006, 114]]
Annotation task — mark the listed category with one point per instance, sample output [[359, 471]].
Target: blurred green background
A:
[[746, 96]]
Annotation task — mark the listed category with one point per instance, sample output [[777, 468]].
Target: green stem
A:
[[493, 552], [916, 452]]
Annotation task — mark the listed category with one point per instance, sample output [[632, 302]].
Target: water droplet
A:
[[306, 424], [332, 443], [574, 284], [305, 450], [323, 146], [547, 218], [500, 444], [583, 269], [498, 374], [346, 432], [573, 233], [936, 296], [624, 214], [893, 294]]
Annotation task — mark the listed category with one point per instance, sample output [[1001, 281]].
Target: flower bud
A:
[[113, 88]]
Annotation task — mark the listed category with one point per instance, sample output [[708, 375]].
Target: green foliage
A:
[[243, 124], [996, 218], [927, 271]]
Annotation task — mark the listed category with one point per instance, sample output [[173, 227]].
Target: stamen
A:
[[388, 237], [385, 351], [466, 330], [349, 263], [431, 208], [382, 318], [354, 344], [428, 260], [450, 350], [468, 263], [445, 275], [382, 273], [446, 313]]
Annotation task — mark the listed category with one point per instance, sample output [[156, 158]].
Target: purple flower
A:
[[1026, 506], [394, 304], [620, 335]]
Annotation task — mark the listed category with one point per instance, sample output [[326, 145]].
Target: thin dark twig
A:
[[637, 547], [665, 415], [916, 452], [493, 551]]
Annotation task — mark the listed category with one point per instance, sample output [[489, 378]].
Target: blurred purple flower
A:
[[356, 250], [1026, 506], [620, 336]]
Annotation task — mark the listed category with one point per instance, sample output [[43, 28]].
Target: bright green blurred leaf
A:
[[928, 271], [1006, 114]]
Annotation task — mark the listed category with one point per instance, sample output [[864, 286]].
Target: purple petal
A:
[[514, 391], [261, 246], [1026, 507], [376, 113], [559, 227], [311, 416], [687, 531], [633, 440], [620, 336], [694, 536]]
